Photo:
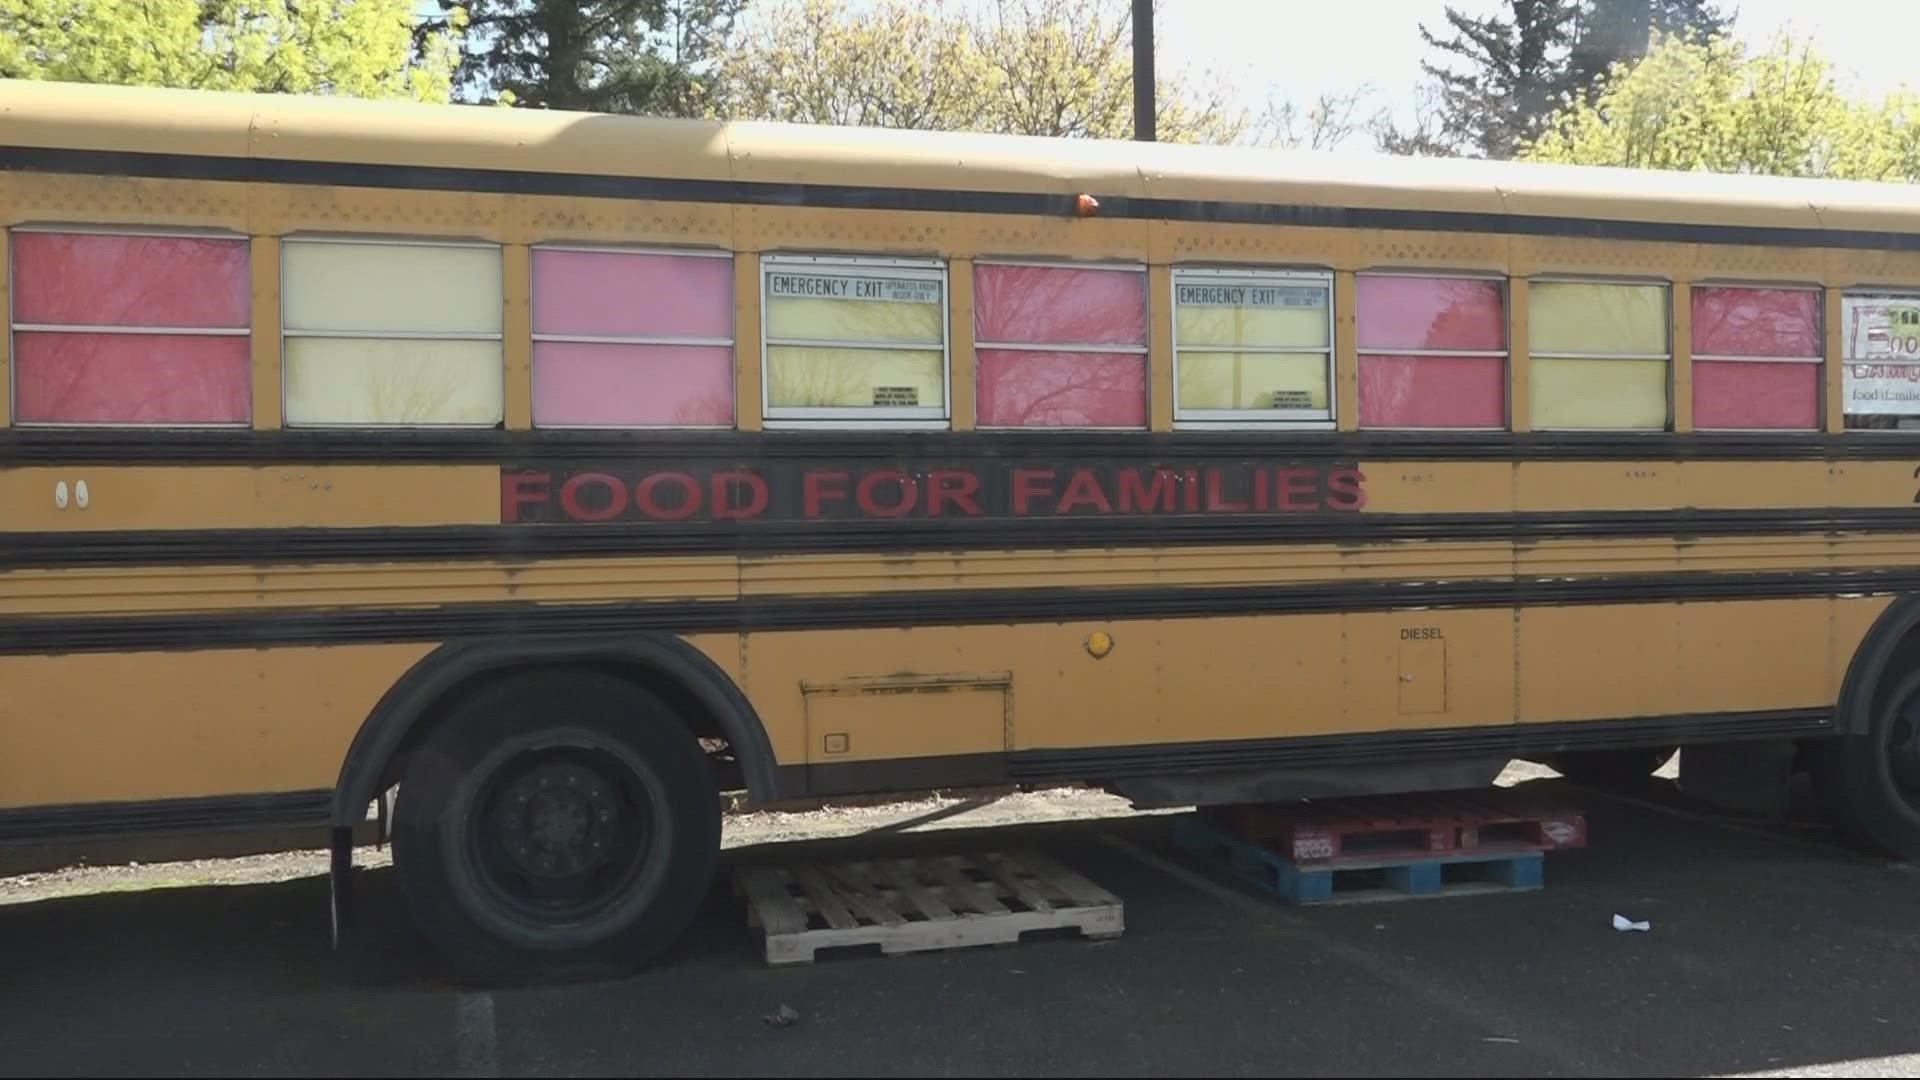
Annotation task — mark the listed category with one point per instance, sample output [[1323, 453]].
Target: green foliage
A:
[[1711, 105], [1029, 67], [357, 48], [627, 56]]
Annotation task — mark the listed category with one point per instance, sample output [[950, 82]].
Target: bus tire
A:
[[1869, 780], [555, 822]]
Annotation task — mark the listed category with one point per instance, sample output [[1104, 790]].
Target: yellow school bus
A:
[[553, 473]]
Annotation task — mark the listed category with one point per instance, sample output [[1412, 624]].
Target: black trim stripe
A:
[[285, 547], [183, 166], [332, 626], [97, 821], [1331, 751], [125, 446], [1356, 750]]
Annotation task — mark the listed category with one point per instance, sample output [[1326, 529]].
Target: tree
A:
[[357, 48], [1610, 32], [1425, 136], [1537, 56], [628, 56], [1516, 67], [896, 66], [1714, 106], [1331, 120], [1029, 67]]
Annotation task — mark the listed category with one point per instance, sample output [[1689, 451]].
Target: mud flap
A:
[[340, 884]]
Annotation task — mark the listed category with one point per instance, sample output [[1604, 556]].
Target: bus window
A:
[[625, 338], [1600, 355], [391, 332], [1433, 351], [1880, 360], [1061, 345], [855, 341], [130, 328], [1757, 357], [1253, 347]]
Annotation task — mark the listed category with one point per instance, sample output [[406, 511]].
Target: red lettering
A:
[[1346, 489], [616, 501], [909, 493], [727, 483], [518, 489], [1084, 487], [1216, 498], [646, 496], [1295, 489], [961, 487], [814, 491], [1135, 494], [1193, 490], [1023, 489]]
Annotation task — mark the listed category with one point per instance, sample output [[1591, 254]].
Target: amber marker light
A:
[[1099, 644]]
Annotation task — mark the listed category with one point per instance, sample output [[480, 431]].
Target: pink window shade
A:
[[70, 378], [632, 294], [1048, 305], [1060, 389], [1395, 312], [1756, 322], [1755, 394], [1433, 392], [89, 279], [585, 385]]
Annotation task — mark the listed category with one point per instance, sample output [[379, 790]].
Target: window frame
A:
[[729, 342], [1144, 350], [1504, 355], [16, 328], [1819, 361], [859, 418], [387, 240], [1255, 419], [1666, 285]]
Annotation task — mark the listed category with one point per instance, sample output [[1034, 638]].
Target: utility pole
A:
[[1143, 70]]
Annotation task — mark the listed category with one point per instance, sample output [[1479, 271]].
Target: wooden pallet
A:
[[921, 904], [1391, 825], [1356, 878]]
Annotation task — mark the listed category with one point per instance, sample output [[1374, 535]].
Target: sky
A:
[[1298, 49]]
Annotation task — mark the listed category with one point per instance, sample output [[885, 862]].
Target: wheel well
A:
[[1891, 647], [688, 710], [1902, 658], [701, 696]]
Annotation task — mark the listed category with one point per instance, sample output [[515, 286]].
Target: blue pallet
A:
[[1500, 870]]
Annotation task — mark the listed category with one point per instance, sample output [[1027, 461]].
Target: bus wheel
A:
[[1870, 780], [556, 821]]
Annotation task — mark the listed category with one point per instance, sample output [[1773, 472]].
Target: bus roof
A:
[[175, 124]]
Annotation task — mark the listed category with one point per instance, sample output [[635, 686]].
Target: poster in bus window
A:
[[1881, 347]]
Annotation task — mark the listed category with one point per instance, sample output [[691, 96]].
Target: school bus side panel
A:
[[131, 727]]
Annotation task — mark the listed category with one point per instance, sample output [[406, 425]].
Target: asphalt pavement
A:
[[1771, 950]]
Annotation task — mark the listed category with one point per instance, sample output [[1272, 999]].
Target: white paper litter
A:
[[1621, 922]]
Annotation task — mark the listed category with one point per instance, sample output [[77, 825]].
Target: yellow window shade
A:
[[1624, 394], [1583, 317], [372, 381], [374, 288]]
